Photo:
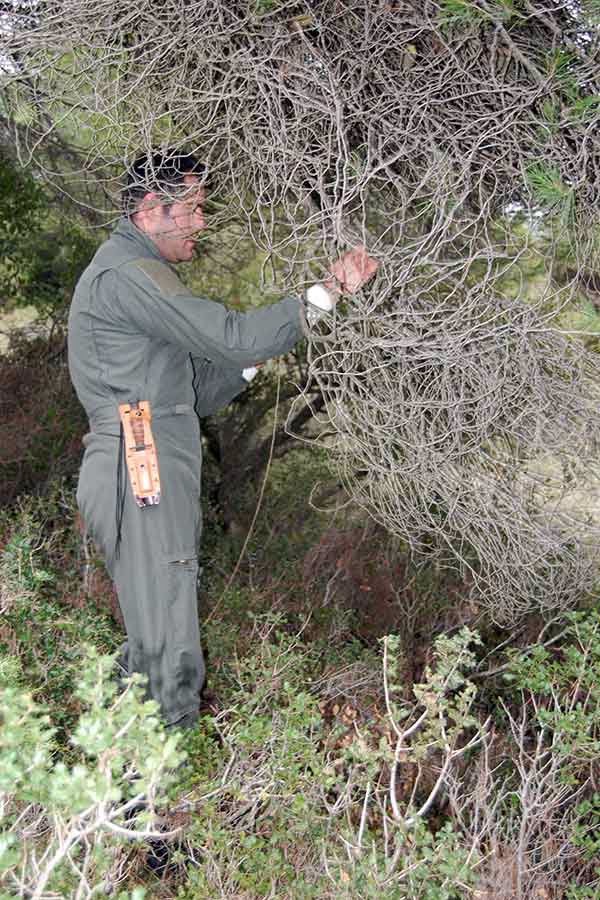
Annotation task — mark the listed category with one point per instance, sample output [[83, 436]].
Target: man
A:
[[137, 334]]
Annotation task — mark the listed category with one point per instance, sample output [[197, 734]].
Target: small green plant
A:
[[40, 626], [532, 792], [562, 66], [585, 109], [566, 685], [457, 13], [549, 189], [63, 828], [261, 7], [430, 732], [20, 574]]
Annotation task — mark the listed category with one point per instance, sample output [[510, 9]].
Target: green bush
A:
[[294, 789], [44, 621], [44, 251], [64, 828], [297, 804]]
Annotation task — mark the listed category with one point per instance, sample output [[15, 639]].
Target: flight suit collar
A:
[[139, 243]]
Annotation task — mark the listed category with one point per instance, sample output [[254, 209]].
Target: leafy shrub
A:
[[299, 803], [65, 828], [43, 250], [307, 783], [41, 625], [530, 799]]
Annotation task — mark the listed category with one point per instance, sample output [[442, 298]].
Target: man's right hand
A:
[[351, 271]]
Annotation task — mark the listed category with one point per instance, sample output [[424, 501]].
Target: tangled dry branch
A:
[[458, 140]]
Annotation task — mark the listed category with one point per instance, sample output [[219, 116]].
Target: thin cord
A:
[[258, 506], [121, 492], [194, 388]]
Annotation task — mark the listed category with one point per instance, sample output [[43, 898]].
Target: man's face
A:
[[174, 226]]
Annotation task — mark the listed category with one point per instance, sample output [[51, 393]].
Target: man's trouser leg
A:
[[158, 599], [155, 573]]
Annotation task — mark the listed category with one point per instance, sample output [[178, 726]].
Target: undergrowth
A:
[[413, 753]]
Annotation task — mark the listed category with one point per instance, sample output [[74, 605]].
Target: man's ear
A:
[[149, 201], [147, 209]]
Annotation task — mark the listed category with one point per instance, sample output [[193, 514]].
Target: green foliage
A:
[[43, 250], [566, 682], [265, 6], [267, 809], [20, 574], [433, 867], [275, 786], [461, 12], [590, 10], [39, 624], [583, 317], [60, 820], [562, 65], [414, 859], [21, 204], [292, 790], [585, 109], [457, 13], [446, 693], [55, 260], [546, 782], [549, 190], [586, 833]]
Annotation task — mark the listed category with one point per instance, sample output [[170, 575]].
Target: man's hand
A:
[[348, 274], [351, 271]]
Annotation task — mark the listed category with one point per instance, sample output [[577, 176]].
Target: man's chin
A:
[[187, 253]]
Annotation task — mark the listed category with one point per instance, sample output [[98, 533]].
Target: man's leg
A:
[[158, 598], [155, 573]]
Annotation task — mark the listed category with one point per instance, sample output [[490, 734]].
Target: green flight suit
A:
[[137, 333]]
